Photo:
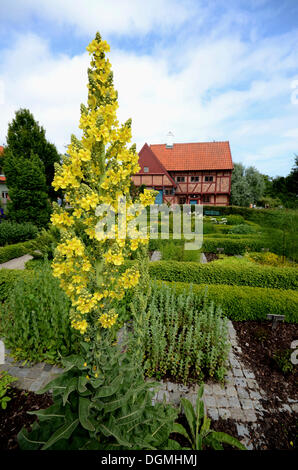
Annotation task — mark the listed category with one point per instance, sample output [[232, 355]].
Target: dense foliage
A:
[[240, 303], [14, 233], [28, 197], [247, 185], [14, 251], [240, 274], [35, 317], [26, 137], [185, 337]]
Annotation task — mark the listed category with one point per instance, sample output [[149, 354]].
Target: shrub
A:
[[267, 258], [11, 232], [8, 279], [246, 274], [245, 303], [45, 243], [185, 337], [5, 384], [235, 246], [35, 318], [14, 251], [242, 229], [282, 359], [235, 220]]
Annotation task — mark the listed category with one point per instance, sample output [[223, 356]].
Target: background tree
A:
[[240, 193], [285, 188], [24, 137], [248, 185], [27, 190]]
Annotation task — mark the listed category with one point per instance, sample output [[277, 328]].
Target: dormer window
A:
[[146, 169]]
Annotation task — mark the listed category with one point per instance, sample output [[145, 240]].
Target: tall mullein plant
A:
[[101, 401], [96, 170]]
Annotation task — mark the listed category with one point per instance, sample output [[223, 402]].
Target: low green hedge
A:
[[211, 273], [233, 246], [246, 303], [12, 232], [14, 251]]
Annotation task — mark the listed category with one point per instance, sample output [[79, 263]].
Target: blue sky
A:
[[202, 69]]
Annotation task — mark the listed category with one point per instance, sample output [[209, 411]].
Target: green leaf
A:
[[108, 390], [62, 433], [70, 388], [82, 384], [227, 439], [84, 411], [190, 415], [26, 443], [178, 428], [109, 431], [54, 411]]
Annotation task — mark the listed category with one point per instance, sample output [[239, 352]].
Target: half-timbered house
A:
[[193, 173]]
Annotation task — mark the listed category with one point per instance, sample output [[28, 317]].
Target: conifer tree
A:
[[25, 136]]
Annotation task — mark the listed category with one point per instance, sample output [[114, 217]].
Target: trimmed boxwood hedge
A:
[[250, 275], [237, 246], [14, 251], [246, 303]]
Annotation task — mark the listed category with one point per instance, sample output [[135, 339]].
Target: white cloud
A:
[[128, 17], [201, 90]]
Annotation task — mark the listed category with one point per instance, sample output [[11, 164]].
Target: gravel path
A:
[[16, 263]]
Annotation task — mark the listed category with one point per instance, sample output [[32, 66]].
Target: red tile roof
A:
[[195, 156]]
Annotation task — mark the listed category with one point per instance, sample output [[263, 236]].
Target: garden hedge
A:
[[250, 275], [14, 251], [237, 246], [12, 232], [246, 303]]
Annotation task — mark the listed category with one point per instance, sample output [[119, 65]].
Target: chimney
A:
[[170, 140]]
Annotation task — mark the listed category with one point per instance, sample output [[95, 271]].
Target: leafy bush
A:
[[185, 337], [242, 229], [14, 251], [245, 303], [237, 246], [35, 318], [5, 381], [111, 412], [246, 274], [235, 220], [11, 232], [282, 359], [267, 258], [8, 279], [45, 243]]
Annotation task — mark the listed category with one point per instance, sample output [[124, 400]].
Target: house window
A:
[[4, 194], [206, 198], [168, 192], [194, 179], [208, 178], [182, 200], [180, 179], [146, 169]]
